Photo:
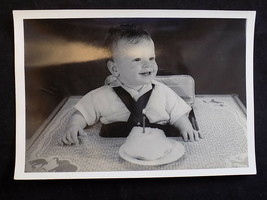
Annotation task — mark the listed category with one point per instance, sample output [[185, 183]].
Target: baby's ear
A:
[[112, 67]]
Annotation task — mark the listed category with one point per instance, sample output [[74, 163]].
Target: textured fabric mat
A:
[[220, 119]]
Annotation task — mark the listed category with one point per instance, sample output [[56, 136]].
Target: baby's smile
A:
[[145, 73]]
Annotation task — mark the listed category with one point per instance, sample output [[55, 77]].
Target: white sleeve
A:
[[176, 106], [88, 107]]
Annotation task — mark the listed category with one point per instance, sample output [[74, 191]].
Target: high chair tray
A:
[[221, 120]]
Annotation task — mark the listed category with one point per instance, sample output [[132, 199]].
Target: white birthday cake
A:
[[150, 145]]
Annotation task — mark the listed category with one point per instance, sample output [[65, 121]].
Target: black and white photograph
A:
[[134, 94]]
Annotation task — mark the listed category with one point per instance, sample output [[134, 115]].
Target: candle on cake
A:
[[144, 119]]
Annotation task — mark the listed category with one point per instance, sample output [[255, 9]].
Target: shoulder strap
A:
[[125, 97], [134, 107]]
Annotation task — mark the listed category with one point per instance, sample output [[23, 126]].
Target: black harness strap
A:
[[122, 129], [135, 108]]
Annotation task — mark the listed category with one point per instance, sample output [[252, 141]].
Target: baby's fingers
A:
[[74, 137], [196, 135], [82, 132], [71, 137], [191, 136], [184, 135], [64, 141]]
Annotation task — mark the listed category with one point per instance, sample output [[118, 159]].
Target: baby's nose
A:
[[146, 65]]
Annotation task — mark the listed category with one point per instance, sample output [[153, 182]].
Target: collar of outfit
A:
[[134, 93]]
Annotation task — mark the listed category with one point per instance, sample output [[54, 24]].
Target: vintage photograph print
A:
[[133, 93]]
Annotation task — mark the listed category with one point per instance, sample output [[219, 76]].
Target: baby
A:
[[130, 90]]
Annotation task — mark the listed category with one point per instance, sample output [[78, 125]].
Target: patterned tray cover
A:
[[221, 121]]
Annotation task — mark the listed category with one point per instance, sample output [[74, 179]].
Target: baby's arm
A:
[[186, 129], [75, 126]]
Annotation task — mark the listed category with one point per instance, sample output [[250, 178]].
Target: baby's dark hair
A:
[[130, 32]]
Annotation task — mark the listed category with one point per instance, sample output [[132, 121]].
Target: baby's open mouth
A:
[[146, 73]]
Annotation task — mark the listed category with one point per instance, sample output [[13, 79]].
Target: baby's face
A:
[[135, 63]]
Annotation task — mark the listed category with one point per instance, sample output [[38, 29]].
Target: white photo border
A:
[[20, 15]]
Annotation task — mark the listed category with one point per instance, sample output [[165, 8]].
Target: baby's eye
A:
[[137, 59], [152, 58]]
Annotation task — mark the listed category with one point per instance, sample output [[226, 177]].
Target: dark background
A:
[[212, 51], [228, 187]]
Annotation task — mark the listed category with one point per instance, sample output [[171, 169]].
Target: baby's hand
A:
[[186, 129], [74, 129], [71, 135], [191, 135]]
